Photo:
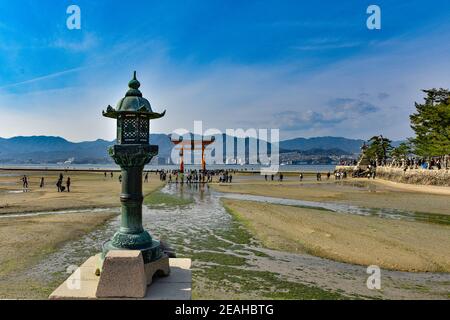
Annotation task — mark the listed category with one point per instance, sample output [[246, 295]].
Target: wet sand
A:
[[88, 190], [390, 244], [359, 192]]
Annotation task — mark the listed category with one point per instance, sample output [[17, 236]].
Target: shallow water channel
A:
[[229, 263]]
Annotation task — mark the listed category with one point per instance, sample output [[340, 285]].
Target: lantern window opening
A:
[[133, 114]]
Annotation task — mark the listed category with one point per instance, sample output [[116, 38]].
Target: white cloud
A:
[[379, 87], [43, 78], [86, 42]]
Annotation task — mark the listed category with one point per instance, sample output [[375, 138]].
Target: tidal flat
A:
[[359, 192], [229, 259]]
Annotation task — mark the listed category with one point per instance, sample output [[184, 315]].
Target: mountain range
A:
[[48, 149]]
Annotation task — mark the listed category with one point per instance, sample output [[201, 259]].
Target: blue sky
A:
[[309, 68]]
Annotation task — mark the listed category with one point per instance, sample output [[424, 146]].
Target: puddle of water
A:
[[13, 191], [33, 214], [225, 255], [16, 191]]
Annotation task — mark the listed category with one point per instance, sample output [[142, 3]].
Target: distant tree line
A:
[[431, 125]]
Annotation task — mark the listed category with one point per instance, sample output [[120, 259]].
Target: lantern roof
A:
[[133, 103]]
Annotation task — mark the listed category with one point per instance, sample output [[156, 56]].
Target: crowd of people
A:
[[60, 185], [411, 163], [339, 175], [272, 177], [195, 176], [436, 163]]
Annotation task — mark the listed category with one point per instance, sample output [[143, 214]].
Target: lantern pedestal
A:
[[131, 236], [132, 257]]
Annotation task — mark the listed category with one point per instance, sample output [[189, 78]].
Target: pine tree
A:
[[378, 149], [431, 123]]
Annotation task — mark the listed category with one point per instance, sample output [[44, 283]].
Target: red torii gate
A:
[[192, 145]]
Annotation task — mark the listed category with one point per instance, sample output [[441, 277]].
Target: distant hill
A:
[[319, 152], [327, 143], [302, 144]]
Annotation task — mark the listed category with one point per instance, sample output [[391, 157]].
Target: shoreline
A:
[[309, 169]]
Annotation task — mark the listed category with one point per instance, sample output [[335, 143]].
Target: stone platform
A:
[[83, 283]]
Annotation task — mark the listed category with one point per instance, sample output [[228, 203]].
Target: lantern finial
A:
[[134, 85]]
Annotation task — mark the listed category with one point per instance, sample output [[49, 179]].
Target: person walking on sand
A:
[[319, 176], [59, 184], [146, 177], [42, 183], [25, 183], [68, 184], [301, 176], [112, 175]]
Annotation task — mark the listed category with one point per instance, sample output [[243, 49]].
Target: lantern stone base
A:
[[124, 275]]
